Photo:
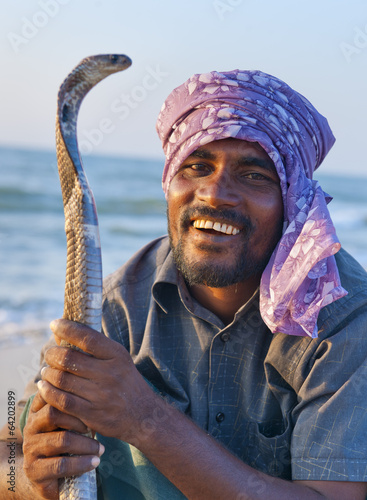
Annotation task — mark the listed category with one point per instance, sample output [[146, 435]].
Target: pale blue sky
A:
[[319, 47]]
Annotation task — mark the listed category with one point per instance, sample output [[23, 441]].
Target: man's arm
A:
[[201, 468], [84, 386]]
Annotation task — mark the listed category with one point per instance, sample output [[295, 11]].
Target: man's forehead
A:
[[232, 144]]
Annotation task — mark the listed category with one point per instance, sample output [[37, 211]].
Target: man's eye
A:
[[255, 176], [197, 169]]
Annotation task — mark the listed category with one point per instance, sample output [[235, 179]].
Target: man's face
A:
[[225, 213]]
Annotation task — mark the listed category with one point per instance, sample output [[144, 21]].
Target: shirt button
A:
[[224, 337], [219, 417]]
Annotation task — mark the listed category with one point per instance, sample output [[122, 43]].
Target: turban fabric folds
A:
[[301, 276]]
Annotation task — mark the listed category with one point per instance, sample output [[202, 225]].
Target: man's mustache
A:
[[230, 216]]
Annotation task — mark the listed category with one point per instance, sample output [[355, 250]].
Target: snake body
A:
[[83, 282]]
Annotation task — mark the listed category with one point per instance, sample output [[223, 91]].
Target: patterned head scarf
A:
[[301, 276]]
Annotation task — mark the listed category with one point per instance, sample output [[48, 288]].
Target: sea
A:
[[131, 210]]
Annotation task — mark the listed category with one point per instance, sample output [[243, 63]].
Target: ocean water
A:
[[132, 211]]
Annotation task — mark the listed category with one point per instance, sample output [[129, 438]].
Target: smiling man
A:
[[233, 364]]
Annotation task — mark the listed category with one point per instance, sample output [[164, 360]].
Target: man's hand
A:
[[102, 388], [45, 443]]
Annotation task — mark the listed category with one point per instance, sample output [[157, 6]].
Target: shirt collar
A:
[[167, 277]]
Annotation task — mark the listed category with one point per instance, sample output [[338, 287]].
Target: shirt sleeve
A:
[[329, 440]]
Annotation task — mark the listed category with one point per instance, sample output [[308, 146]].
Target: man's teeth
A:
[[217, 226]]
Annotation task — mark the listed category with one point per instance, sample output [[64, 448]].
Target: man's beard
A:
[[204, 272]]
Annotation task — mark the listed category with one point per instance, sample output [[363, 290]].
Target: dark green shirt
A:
[[292, 407]]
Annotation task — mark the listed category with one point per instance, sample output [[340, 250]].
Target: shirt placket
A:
[[220, 403]]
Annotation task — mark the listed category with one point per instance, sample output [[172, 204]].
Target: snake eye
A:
[[113, 58]]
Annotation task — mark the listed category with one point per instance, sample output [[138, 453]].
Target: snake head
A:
[[88, 73], [105, 64]]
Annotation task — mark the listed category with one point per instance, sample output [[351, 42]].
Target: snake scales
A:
[[83, 283]]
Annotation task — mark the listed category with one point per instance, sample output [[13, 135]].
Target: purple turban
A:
[[301, 276]]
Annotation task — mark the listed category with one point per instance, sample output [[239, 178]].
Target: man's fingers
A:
[[63, 401], [52, 455], [37, 403], [66, 381], [52, 444], [72, 361], [87, 339], [57, 467], [50, 418]]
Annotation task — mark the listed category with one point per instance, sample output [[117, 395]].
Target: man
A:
[[234, 359]]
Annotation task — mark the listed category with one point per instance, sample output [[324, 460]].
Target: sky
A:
[[319, 47]]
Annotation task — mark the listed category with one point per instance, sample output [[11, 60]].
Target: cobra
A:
[[83, 282]]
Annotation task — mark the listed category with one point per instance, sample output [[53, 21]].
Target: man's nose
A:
[[219, 190]]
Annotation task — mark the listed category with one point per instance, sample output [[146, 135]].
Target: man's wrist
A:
[[152, 416]]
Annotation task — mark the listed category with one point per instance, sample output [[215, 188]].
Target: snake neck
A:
[[71, 94]]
